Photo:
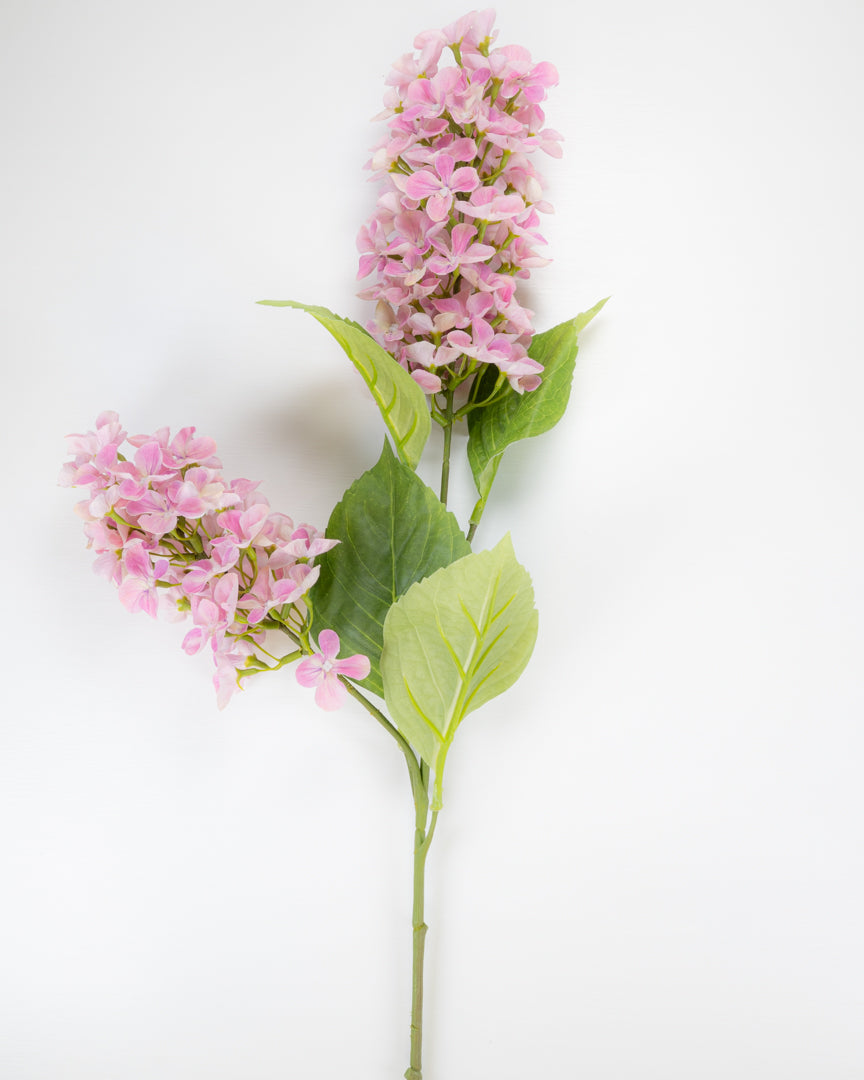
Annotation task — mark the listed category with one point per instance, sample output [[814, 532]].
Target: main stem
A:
[[422, 840], [448, 438], [418, 771]]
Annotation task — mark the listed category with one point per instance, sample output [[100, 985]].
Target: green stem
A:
[[448, 438], [418, 787], [499, 391], [419, 773], [422, 840]]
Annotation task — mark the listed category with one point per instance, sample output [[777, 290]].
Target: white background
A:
[[649, 865]]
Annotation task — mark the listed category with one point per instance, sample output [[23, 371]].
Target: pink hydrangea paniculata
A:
[[175, 536], [456, 223]]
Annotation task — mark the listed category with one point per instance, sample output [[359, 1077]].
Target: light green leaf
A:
[[403, 404], [452, 643], [520, 416], [393, 531]]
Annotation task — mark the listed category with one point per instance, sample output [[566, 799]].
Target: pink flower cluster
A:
[[173, 534], [456, 223]]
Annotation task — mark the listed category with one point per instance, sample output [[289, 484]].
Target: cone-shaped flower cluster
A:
[[456, 223], [173, 534]]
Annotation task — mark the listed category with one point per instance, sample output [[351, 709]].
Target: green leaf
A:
[[520, 416], [403, 404], [393, 531], [453, 642]]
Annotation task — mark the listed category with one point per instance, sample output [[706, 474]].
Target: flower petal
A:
[[354, 667], [438, 206], [328, 644], [330, 694], [421, 185], [309, 672]]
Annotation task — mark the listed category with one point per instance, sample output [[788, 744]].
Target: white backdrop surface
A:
[[649, 864]]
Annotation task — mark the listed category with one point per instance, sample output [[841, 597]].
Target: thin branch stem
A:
[[448, 438], [418, 788]]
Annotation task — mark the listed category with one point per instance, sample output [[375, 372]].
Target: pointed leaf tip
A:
[[522, 416], [401, 402]]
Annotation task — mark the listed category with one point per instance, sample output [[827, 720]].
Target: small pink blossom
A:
[[322, 670], [244, 525], [427, 98], [108, 432], [471, 30], [306, 542], [138, 590], [214, 614], [459, 251], [269, 592], [488, 205], [230, 656], [440, 184]]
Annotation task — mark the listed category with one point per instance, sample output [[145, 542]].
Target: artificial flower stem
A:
[[419, 773], [422, 840], [448, 438]]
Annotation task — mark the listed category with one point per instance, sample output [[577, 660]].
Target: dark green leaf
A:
[[393, 531]]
